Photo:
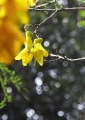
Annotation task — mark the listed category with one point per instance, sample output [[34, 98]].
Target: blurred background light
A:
[[38, 81], [60, 113]]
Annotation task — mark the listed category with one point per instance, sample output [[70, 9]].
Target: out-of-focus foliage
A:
[[82, 14], [7, 76], [56, 91]]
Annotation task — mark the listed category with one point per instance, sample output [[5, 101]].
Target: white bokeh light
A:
[[80, 107], [57, 84], [52, 73], [60, 113], [46, 43], [4, 117], [39, 90], [38, 81], [35, 117], [30, 112], [9, 90]]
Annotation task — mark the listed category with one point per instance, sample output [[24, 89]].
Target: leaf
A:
[[82, 23], [82, 13]]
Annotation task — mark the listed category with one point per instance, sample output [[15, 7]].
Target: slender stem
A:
[[58, 10], [58, 57]]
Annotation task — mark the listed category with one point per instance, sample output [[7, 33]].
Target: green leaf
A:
[[82, 23], [82, 13], [83, 1]]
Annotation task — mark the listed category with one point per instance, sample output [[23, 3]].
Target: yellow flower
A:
[[11, 40], [32, 50], [14, 10], [32, 2], [26, 55], [39, 53]]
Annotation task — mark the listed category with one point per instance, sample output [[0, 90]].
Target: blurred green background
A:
[[55, 91]]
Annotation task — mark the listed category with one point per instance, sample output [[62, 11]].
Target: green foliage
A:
[[82, 23], [82, 13], [83, 1], [7, 76]]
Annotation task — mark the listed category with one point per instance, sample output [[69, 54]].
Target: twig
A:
[[37, 26], [45, 4], [55, 3], [58, 57], [58, 10], [54, 11], [47, 18]]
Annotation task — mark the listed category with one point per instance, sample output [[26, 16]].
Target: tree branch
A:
[[45, 4], [58, 57], [58, 10], [54, 11]]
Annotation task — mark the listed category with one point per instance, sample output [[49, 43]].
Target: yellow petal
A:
[[32, 2], [39, 57], [38, 46], [16, 9], [2, 12], [5, 56], [21, 4], [21, 54], [27, 58], [23, 17], [11, 41], [38, 40], [2, 2]]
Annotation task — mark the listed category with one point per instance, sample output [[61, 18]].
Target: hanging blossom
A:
[[35, 50], [11, 38]]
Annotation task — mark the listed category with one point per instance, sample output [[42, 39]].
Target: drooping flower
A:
[[26, 55], [35, 50], [39, 51]]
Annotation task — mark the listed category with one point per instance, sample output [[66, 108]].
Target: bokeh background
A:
[[55, 91]]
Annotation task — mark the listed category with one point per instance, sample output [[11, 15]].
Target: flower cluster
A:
[[31, 50]]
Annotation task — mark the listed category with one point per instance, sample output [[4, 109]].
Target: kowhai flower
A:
[[26, 55], [39, 52], [30, 50]]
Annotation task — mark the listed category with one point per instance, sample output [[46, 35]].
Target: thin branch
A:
[[47, 18], [45, 4], [55, 4], [58, 10], [37, 26], [58, 57], [54, 11]]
